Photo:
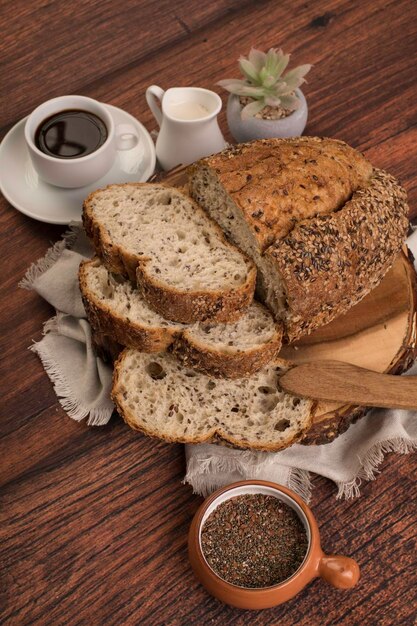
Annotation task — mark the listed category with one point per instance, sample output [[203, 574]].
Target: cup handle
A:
[[154, 93], [339, 571], [126, 137]]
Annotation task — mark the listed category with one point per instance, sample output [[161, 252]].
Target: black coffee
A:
[[70, 134]]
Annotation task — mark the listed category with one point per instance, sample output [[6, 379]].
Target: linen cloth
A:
[[82, 383]]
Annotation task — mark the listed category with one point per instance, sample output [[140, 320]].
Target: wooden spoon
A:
[[343, 382]]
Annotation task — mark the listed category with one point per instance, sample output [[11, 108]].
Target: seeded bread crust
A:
[[196, 305], [107, 322], [330, 262], [112, 330], [278, 182], [178, 305], [321, 224], [219, 431], [194, 354]]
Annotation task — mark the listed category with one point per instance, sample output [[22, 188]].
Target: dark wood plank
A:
[[69, 44], [353, 89], [93, 521], [101, 520]]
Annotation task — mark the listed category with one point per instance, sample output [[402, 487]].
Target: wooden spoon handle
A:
[[343, 382]]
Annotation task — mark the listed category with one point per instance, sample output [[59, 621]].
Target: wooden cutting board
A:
[[379, 333]]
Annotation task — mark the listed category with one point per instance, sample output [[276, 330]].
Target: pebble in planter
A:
[[266, 102]]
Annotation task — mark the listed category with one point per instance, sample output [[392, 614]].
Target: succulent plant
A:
[[265, 83]]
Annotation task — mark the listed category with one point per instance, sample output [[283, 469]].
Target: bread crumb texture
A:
[[116, 308], [158, 396]]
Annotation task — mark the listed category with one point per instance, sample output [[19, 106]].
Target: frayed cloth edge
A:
[[206, 474], [51, 325], [209, 473], [371, 462], [52, 255], [299, 481], [71, 405]]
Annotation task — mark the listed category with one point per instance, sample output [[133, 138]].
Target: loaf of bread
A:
[[159, 237], [155, 394], [322, 225], [119, 315]]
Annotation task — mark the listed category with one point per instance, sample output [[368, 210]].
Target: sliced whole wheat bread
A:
[[156, 395], [118, 313], [231, 350], [116, 309], [159, 237]]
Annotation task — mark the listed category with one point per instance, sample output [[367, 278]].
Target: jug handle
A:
[[154, 93], [340, 571]]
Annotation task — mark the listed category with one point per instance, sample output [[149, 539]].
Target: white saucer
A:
[[30, 195]]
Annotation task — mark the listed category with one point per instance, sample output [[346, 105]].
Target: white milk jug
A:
[[188, 124]]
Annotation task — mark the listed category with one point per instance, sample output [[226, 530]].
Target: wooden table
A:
[[94, 520]]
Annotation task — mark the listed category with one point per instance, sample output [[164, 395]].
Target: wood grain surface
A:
[[93, 521]]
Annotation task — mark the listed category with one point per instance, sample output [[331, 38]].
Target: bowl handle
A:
[[340, 571]]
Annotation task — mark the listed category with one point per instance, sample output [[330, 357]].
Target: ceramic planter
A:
[[255, 128]]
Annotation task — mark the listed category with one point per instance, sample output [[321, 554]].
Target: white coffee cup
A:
[[79, 171]]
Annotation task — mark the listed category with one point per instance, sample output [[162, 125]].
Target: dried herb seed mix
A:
[[254, 540]]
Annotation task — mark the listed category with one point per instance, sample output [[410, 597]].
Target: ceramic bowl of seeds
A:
[[256, 544]]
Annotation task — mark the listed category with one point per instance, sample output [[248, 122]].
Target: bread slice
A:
[[322, 225], [231, 350], [118, 313], [158, 396], [116, 309], [157, 236]]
